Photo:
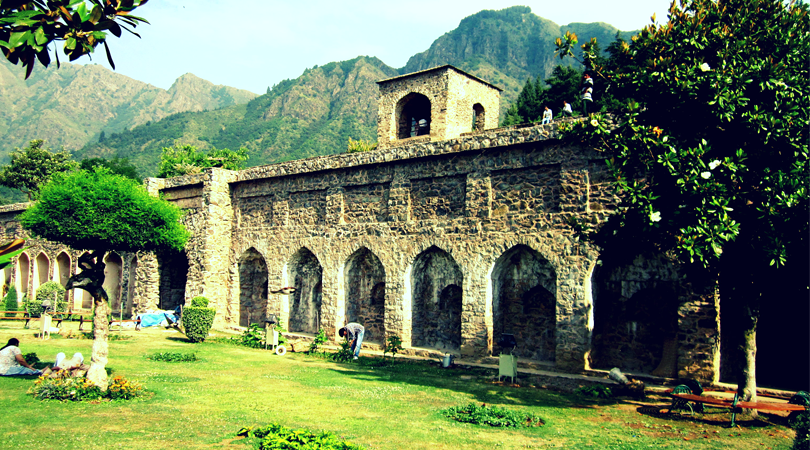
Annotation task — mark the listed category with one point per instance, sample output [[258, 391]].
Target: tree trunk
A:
[[91, 279]]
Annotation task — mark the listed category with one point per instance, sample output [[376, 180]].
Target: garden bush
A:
[[594, 391], [197, 320], [47, 291], [80, 388], [10, 301], [319, 340], [173, 357], [278, 437], [344, 354], [491, 415]]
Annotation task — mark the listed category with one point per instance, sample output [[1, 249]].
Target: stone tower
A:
[[433, 105]]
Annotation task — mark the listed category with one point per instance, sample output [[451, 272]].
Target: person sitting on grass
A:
[[12, 362], [354, 332]]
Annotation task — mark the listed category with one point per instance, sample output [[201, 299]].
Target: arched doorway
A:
[[525, 302], [173, 272], [113, 276], [413, 116], [42, 268], [479, 117], [305, 303], [436, 305], [252, 288], [23, 269], [61, 271], [364, 285]]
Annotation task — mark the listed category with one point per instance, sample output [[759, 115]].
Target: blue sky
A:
[[253, 44]]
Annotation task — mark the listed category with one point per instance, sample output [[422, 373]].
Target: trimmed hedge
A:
[[197, 320], [45, 292], [11, 301]]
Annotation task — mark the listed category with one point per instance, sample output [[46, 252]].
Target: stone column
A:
[[572, 315], [478, 201], [399, 198], [215, 243], [476, 314], [699, 333], [146, 294]]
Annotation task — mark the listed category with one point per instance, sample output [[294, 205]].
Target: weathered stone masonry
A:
[[448, 240]]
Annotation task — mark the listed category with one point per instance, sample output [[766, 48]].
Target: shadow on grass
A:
[[715, 417]]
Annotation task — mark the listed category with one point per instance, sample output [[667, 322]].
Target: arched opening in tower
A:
[[252, 288], [413, 116], [479, 117], [436, 309], [173, 272], [365, 293], [305, 305], [525, 303]]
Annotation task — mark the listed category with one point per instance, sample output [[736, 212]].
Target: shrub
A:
[[360, 145], [31, 358], [197, 320], [345, 354], [120, 388], [393, 344], [199, 302], [319, 340], [595, 391], [491, 415], [278, 437], [77, 389], [11, 301], [47, 291], [173, 357]]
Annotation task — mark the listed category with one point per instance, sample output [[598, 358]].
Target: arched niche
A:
[[81, 298], [364, 285], [42, 269], [173, 273], [61, 271], [413, 116], [252, 288], [525, 302], [113, 277], [436, 303], [635, 317], [306, 273], [479, 117], [23, 270]]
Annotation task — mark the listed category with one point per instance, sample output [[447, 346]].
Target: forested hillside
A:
[[316, 113], [72, 105]]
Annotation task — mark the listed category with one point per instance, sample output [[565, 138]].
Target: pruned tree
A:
[[101, 212], [710, 150], [33, 166], [27, 28], [184, 159]]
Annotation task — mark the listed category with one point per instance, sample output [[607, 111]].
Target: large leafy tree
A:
[[120, 166], [33, 166], [187, 159], [710, 150], [101, 212], [27, 28]]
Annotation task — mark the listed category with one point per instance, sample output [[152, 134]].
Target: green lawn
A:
[[203, 404]]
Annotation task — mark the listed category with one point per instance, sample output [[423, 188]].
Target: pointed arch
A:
[[81, 298], [306, 274], [113, 277], [23, 271], [253, 290], [525, 302], [364, 288], [61, 271], [42, 270], [413, 116], [436, 281], [479, 117]]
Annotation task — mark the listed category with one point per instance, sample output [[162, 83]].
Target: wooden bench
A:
[[682, 396]]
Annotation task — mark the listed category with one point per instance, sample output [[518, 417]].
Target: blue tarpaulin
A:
[[152, 319]]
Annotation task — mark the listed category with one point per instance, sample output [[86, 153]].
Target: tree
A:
[[27, 28], [102, 212], [119, 166], [186, 159], [33, 166], [710, 151]]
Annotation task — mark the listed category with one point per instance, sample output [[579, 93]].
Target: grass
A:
[[203, 404]]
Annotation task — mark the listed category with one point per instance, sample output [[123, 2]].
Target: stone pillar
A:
[[335, 207], [476, 314], [572, 315], [399, 198], [478, 201], [146, 294], [699, 333], [215, 242]]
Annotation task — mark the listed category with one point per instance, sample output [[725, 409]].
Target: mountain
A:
[[72, 105], [316, 113]]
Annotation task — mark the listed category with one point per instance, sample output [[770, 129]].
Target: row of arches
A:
[[524, 300], [29, 273]]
